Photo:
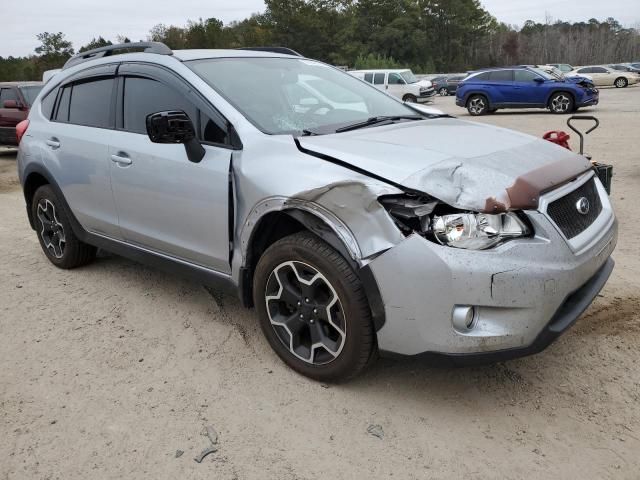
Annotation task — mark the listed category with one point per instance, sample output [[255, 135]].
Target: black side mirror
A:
[[175, 127], [538, 80]]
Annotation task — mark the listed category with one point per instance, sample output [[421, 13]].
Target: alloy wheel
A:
[[621, 83], [477, 105], [305, 312], [51, 230], [443, 92], [560, 104]]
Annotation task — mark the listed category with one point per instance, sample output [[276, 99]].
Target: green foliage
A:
[[95, 43], [428, 36]]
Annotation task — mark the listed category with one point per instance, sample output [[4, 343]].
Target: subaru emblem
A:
[[583, 206]]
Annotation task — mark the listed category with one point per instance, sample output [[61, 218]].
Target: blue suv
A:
[[488, 90]]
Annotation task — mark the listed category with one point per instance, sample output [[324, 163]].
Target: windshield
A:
[[30, 93], [291, 96], [409, 77], [553, 71]]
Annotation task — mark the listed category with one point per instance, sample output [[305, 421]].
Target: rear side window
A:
[[62, 111], [598, 70], [483, 77], [30, 93], [378, 79], [143, 96], [47, 104], [585, 70], [91, 103], [368, 77], [501, 76]]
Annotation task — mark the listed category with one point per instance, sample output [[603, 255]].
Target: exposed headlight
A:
[[477, 231]]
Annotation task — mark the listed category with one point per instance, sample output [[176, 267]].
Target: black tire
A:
[[410, 99], [561, 103], [56, 237], [621, 82], [443, 92], [477, 105], [351, 309], [493, 110]]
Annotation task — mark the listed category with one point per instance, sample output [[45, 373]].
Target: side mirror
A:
[[13, 104], [538, 80], [175, 127]]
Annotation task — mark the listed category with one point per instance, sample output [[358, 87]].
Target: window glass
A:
[[62, 112], [524, 76], [501, 76], [395, 79], [585, 70], [482, 76], [331, 91], [368, 77], [598, 70], [47, 104], [7, 94], [91, 103], [143, 96], [409, 77], [378, 79], [30, 93], [213, 131]]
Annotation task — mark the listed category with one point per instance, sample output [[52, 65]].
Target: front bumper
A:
[[426, 96], [589, 99], [525, 292]]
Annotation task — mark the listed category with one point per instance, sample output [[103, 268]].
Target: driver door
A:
[[396, 85], [166, 203]]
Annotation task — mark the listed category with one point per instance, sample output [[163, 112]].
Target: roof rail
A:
[[281, 50], [149, 47]]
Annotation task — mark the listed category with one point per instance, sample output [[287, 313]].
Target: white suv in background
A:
[[399, 83]]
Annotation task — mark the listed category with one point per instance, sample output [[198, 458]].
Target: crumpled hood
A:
[[464, 164]]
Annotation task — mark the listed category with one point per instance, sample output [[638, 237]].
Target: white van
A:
[[399, 83]]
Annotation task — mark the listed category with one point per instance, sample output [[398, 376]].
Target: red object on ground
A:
[[558, 137]]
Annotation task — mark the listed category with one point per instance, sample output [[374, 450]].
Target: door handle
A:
[[53, 143], [121, 159]]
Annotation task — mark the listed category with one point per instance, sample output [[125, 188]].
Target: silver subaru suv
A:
[[353, 223]]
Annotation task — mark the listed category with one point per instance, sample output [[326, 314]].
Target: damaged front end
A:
[[445, 225]]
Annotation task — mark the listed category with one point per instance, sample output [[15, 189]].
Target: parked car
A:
[[402, 84], [563, 67], [15, 100], [608, 77], [556, 72], [447, 85], [486, 91], [624, 68], [349, 231]]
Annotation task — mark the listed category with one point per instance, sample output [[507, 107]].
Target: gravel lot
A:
[[109, 370]]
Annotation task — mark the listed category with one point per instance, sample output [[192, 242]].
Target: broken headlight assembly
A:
[[455, 228]]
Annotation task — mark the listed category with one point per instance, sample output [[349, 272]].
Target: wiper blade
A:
[[379, 119]]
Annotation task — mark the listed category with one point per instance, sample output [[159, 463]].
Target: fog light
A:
[[463, 318]]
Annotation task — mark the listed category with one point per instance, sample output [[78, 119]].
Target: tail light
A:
[[21, 129]]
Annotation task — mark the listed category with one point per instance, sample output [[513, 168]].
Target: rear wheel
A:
[[56, 237], [313, 309], [621, 82], [443, 92], [477, 105], [561, 102]]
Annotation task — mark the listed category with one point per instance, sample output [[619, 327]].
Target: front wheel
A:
[[477, 105], [410, 99], [313, 309], [560, 103], [621, 82]]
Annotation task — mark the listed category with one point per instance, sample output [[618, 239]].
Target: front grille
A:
[[564, 211]]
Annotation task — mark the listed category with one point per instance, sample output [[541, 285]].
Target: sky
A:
[[81, 20]]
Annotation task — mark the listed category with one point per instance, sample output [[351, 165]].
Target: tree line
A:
[[428, 36]]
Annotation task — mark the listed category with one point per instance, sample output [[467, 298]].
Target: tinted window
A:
[[62, 111], [91, 103], [378, 79], [482, 77], [7, 94], [143, 96], [598, 70], [501, 76], [30, 93], [395, 79], [47, 104], [585, 70], [213, 131], [524, 76], [368, 77]]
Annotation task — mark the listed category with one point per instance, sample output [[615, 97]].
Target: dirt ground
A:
[[112, 370]]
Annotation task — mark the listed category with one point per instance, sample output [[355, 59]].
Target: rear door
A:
[[166, 203], [77, 147], [603, 76], [501, 87]]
